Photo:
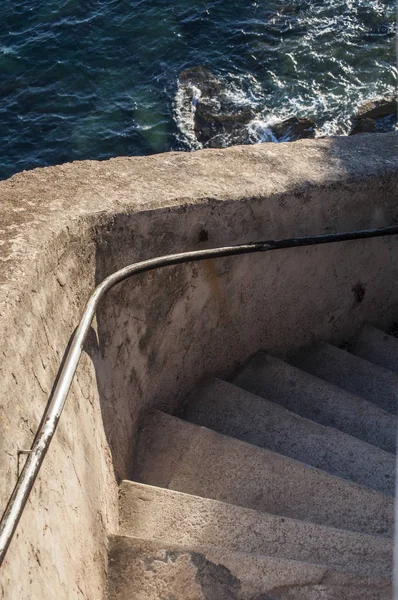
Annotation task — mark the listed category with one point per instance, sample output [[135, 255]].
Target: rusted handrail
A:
[[67, 371]]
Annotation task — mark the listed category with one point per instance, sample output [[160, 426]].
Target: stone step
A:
[[377, 347], [155, 513], [317, 400], [352, 373], [235, 412], [154, 570], [174, 454]]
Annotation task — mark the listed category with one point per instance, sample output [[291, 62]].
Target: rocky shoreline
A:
[[217, 121]]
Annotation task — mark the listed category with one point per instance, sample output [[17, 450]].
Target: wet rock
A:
[[201, 78], [218, 125], [364, 126], [217, 121], [376, 116], [293, 129], [374, 109]]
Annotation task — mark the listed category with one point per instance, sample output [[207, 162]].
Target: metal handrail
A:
[[67, 371]]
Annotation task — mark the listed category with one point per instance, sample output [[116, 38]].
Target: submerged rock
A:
[[217, 120], [376, 116], [293, 129], [201, 78], [218, 125]]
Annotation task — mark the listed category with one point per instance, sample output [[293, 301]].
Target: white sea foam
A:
[[7, 50], [260, 130], [331, 110], [185, 103]]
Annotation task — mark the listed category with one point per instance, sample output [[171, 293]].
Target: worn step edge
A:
[[352, 373], [312, 397], [377, 347], [150, 512], [235, 412], [175, 454], [151, 570]]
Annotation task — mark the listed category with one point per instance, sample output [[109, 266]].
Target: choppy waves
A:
[[99, 78], [319, 60]]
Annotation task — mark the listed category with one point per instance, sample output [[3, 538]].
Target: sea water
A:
[[93, 79]]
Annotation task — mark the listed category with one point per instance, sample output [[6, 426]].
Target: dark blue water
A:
[[98, 78]]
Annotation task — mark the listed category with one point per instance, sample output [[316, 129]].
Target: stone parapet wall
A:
[[63, 229]]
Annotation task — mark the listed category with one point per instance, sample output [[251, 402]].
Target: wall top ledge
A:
[[38, 205]]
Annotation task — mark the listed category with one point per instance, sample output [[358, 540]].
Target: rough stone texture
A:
[[188, 458], [154, 513], [232, 411], [377, 347], [352, 373], [60, 548], [64, 228], [318, 400], [150, 570]]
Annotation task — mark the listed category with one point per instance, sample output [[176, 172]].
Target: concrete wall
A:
[[64, 228]]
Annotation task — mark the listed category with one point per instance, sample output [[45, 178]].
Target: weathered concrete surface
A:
[[318, 400], [188, 458], [150, 570], [352, 373], [64, 228], [232, 411], [60, 550], [288, 181], [150, 512], [376, 346], [209, 318]]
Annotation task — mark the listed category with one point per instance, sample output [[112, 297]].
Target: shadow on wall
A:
[[161, 332]]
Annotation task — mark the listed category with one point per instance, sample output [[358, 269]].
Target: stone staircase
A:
[[278, 485]]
